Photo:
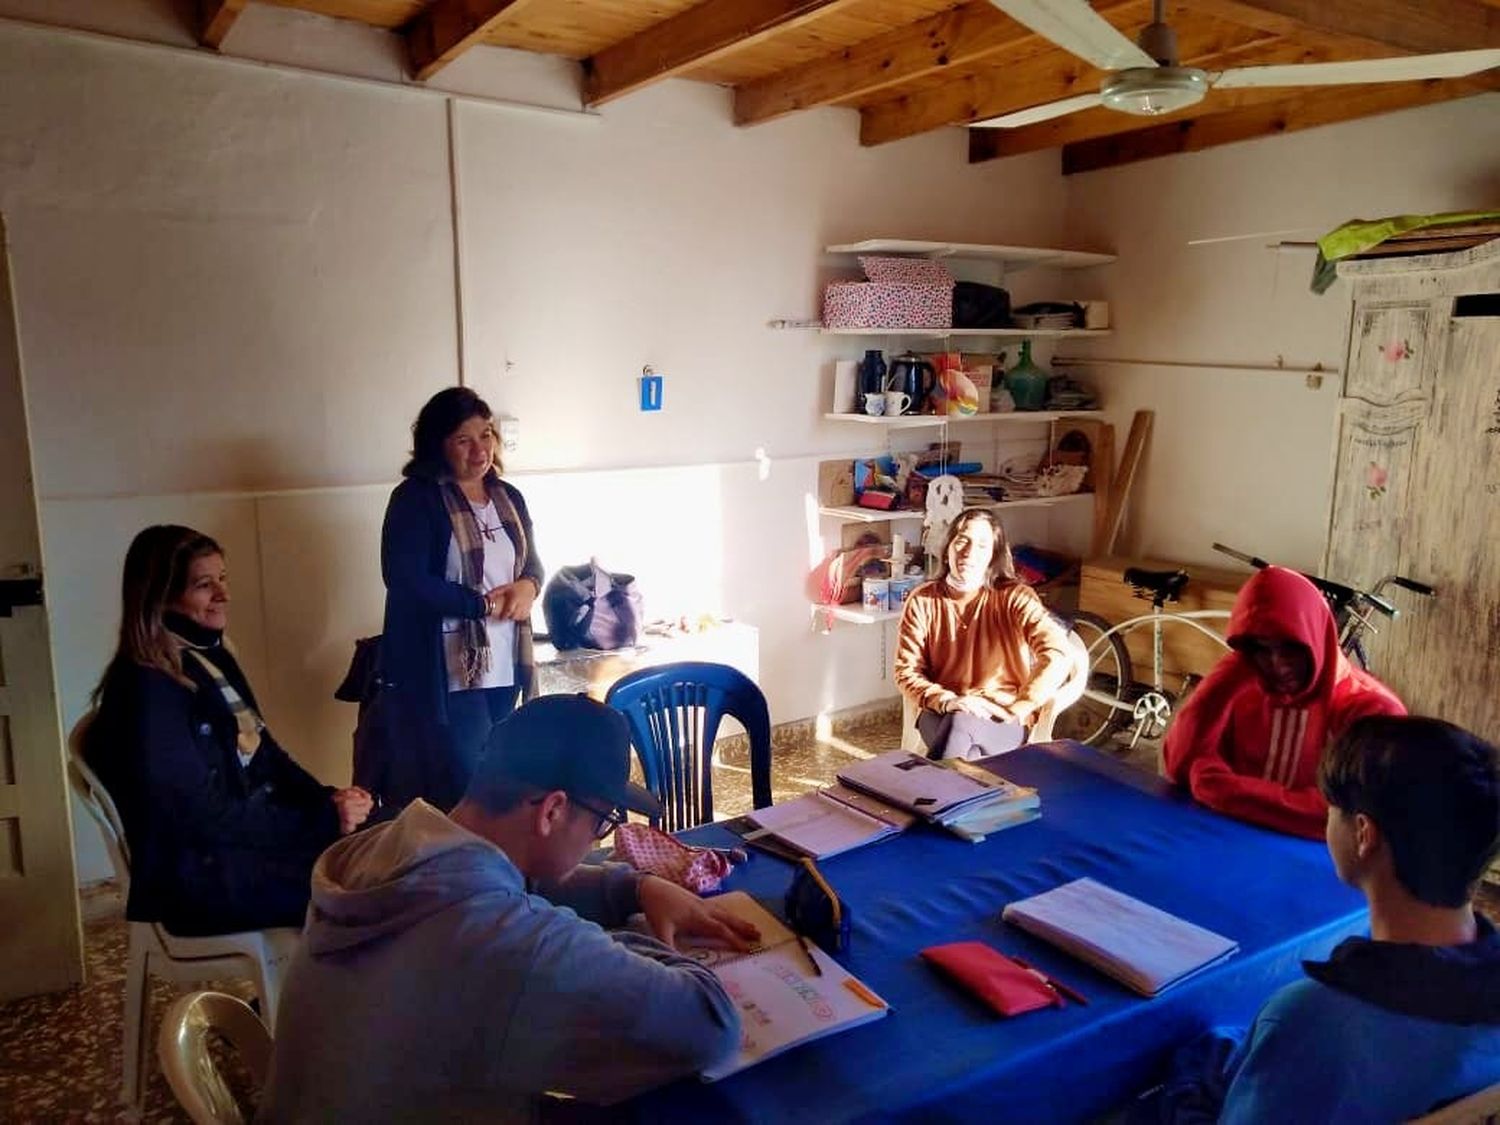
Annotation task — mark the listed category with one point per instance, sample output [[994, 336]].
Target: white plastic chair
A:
[[182, 1046], [1479, 1108], [259, 956]]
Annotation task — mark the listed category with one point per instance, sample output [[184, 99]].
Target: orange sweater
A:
[[1003, 645]]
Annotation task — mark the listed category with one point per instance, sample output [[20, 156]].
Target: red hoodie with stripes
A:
[[1254, 755]]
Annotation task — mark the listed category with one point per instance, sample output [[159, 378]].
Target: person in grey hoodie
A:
[[448, 973]]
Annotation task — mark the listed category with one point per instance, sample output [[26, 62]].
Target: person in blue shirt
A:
[[1397, 1024]]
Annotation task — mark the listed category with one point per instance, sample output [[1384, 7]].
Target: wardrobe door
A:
[[1450, 645]]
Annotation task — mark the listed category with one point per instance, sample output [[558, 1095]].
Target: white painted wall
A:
[[236, 285], [1243, 457]]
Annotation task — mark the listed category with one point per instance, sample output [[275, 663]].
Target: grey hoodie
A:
[[431, 986]]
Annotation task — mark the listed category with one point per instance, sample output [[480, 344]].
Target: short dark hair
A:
[[440, 415], [1002, 566], [1431, 788]]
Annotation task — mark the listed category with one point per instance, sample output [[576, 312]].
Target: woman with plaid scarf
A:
[[461, 573]]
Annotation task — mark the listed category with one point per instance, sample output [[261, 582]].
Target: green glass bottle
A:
[[1027, 382]]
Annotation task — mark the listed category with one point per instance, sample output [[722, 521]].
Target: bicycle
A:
[[1113, 699]]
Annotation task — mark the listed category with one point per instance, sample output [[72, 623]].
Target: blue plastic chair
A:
[[674, 712]]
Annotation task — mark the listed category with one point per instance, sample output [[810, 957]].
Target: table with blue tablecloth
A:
[[942, 1056]]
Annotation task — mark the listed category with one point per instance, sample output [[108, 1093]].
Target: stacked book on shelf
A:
[[966, 800]]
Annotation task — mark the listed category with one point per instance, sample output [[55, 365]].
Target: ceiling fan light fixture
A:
[[1152, 91]]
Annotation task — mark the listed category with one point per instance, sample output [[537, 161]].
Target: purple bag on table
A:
[[588, 607]]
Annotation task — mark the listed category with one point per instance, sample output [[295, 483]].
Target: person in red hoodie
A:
[[1248, 741]]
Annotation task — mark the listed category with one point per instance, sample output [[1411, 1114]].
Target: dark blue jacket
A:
[[413, 562], [215, 847]]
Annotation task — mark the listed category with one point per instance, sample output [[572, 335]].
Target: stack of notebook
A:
[[956, 795]]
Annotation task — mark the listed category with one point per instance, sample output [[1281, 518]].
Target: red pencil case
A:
[[1007, 987]]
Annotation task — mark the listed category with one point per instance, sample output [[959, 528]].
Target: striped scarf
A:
[[247, 723], [474, 659]]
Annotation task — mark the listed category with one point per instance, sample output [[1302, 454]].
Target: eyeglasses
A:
[[609, 819]]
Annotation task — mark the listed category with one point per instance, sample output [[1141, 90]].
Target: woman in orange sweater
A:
[[978, 652]]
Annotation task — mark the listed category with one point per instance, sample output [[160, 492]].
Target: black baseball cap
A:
[[572, 743]]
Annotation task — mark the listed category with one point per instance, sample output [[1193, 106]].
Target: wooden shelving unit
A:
[[1016, 257], [853, 513], [916, 421]]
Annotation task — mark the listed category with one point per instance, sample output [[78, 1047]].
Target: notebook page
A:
[[773, 931], [1144, 948], [820, 826], [783, 1004]]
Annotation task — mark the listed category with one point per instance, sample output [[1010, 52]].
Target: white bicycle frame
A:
[[1192, 617]]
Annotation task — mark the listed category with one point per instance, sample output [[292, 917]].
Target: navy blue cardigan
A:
[[414, 562], [215, 847]]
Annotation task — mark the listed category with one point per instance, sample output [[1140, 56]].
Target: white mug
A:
[[897, 402], [874, 404]]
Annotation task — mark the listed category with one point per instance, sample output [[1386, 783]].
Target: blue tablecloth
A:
[[940, 1055]]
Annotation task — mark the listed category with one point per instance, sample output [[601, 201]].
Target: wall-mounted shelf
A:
[[1014, 256], [857, 614], [916, 421], [856, 514], [965, 333]]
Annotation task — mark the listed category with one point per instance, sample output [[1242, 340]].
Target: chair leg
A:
[[137, 1011]]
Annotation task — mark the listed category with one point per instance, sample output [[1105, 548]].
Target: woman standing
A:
[[222, 825], [978, 652], [461, 573]]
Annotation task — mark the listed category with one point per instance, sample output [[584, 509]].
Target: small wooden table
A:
[[594, 671]]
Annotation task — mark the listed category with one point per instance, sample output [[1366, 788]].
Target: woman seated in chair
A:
[[222, 825], [978, 653]]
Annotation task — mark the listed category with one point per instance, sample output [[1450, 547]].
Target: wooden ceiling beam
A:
[[448, 28], [1307, 110], [1411, 26], [700, 34], [995, 90], [966, 34], [215, 18]]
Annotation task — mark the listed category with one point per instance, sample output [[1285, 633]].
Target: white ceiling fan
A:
[[1147, 79]]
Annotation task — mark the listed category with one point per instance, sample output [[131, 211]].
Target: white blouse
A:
[[499, 570]]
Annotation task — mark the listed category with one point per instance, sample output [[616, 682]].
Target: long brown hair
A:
[[156, 574], [1002, 570]]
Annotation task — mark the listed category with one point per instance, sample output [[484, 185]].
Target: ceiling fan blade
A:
[[1033, 114], [1410, 68], [1077, 29]]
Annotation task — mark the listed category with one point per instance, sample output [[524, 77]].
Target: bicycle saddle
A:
[[1161, 585]]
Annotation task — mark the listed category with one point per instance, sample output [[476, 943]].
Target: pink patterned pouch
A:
[[653, 851]]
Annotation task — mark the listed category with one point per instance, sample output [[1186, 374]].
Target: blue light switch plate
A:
[[651, 387]]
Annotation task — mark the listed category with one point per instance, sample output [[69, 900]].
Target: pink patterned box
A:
[[887, 304]]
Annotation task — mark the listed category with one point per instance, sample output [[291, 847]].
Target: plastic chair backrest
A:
[[1480, 1108], [674, 712], [192, 1071], [98, 803]]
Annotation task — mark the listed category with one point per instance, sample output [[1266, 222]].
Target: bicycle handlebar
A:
[[1409, 584], [1341, 596]]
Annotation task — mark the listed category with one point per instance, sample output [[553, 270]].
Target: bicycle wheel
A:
[[1092, 719]]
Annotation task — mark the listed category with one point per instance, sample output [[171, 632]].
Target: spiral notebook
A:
[[1145, 949], [783, 1002]]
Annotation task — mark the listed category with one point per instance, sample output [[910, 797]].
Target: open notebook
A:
[[1145, 949], [954, 794], [783, 1003], [828, 822]]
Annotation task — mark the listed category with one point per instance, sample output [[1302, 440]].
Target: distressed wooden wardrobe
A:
[[1417, 482]]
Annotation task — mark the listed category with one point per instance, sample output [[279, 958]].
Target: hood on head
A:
[[388, 878], [1277, 602]]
